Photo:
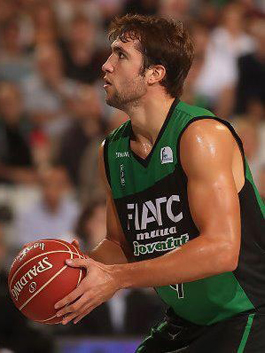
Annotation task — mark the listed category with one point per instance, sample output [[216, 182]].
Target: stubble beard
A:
[[130, 96]]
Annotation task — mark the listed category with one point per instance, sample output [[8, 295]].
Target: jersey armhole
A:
[[224, 122], [106, 162]]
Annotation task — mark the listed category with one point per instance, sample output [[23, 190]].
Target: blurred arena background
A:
[[53, 118]]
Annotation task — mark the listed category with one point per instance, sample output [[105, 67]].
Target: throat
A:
[[142, 149]]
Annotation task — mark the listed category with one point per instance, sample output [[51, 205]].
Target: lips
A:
[[107, 82]]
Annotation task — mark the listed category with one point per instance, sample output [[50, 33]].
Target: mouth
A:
[[107, 82]]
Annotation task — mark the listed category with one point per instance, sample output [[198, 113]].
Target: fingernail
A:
[[69, 262], [56, 306]]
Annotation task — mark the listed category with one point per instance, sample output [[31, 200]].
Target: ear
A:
[[155, 74]]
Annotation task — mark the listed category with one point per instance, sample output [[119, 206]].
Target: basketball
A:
[[39, 277]]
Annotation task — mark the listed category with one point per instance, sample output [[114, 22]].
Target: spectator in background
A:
[[177, 9], [44, 22], [16, 335], [82, 59], [79, 146], [260, 6], [191, 95], [212, 78], [15, 62], [66, 10], [91, 225], [16, 162], [230, 39], [207, 12], [19, 12], [254, 7], [110, 9], [251, 77], [8, 10], [47, 93], [143, 7], [54, 215]]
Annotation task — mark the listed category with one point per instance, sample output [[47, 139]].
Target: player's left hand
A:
[[98, 286]]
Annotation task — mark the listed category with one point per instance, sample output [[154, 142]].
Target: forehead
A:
[[132, 46]]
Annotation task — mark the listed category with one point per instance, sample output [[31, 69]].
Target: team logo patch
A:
[[166, 155]]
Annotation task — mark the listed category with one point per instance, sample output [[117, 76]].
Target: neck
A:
[[148, 117]]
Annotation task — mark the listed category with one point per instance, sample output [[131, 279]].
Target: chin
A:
[[108, 101], [113, 103]]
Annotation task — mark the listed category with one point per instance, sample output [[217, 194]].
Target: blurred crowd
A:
[[53, 118]]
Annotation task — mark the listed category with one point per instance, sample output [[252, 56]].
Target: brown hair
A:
[[162, 42]]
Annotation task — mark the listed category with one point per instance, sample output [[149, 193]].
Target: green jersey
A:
[[151, 199]]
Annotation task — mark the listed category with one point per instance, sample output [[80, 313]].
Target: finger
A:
[[71, 316], [70, 297], [75, 242], [87, 311], [74, 307], [68, 318], [78, 262]]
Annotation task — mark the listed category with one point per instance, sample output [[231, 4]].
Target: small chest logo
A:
[[166, 155], [122, 154], [122, 175]]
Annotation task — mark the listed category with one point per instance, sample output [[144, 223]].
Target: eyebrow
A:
[[116, 48]]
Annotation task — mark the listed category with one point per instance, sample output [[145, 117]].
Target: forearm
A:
[[199, 258], [108, 252]]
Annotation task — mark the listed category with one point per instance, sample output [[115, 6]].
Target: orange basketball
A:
[[39, 278]]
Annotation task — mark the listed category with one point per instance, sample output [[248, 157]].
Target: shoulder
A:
[[208, 124], [122, 131], [206, 144], [206, 132], [193, 110]]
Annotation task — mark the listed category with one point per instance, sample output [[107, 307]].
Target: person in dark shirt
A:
[[82, 62], [251, 70], [16, 162], [87, 126]]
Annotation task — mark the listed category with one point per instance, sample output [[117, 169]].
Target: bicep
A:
[[206, 156]]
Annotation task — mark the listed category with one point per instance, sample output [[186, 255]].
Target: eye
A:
[[121, 55]]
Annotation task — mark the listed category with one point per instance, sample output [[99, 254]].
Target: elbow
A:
[[232, 264], [227, 260]]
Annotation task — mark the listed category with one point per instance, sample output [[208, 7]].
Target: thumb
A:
[[78, 262], [75, 242]]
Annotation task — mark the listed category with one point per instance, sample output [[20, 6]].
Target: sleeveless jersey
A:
[[151, 199]]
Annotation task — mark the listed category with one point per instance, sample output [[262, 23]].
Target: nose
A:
[[107, 66]]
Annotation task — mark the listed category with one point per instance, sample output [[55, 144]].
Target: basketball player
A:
[[183, 213]]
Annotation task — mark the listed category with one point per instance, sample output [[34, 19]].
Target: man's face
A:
[[125, 84]]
